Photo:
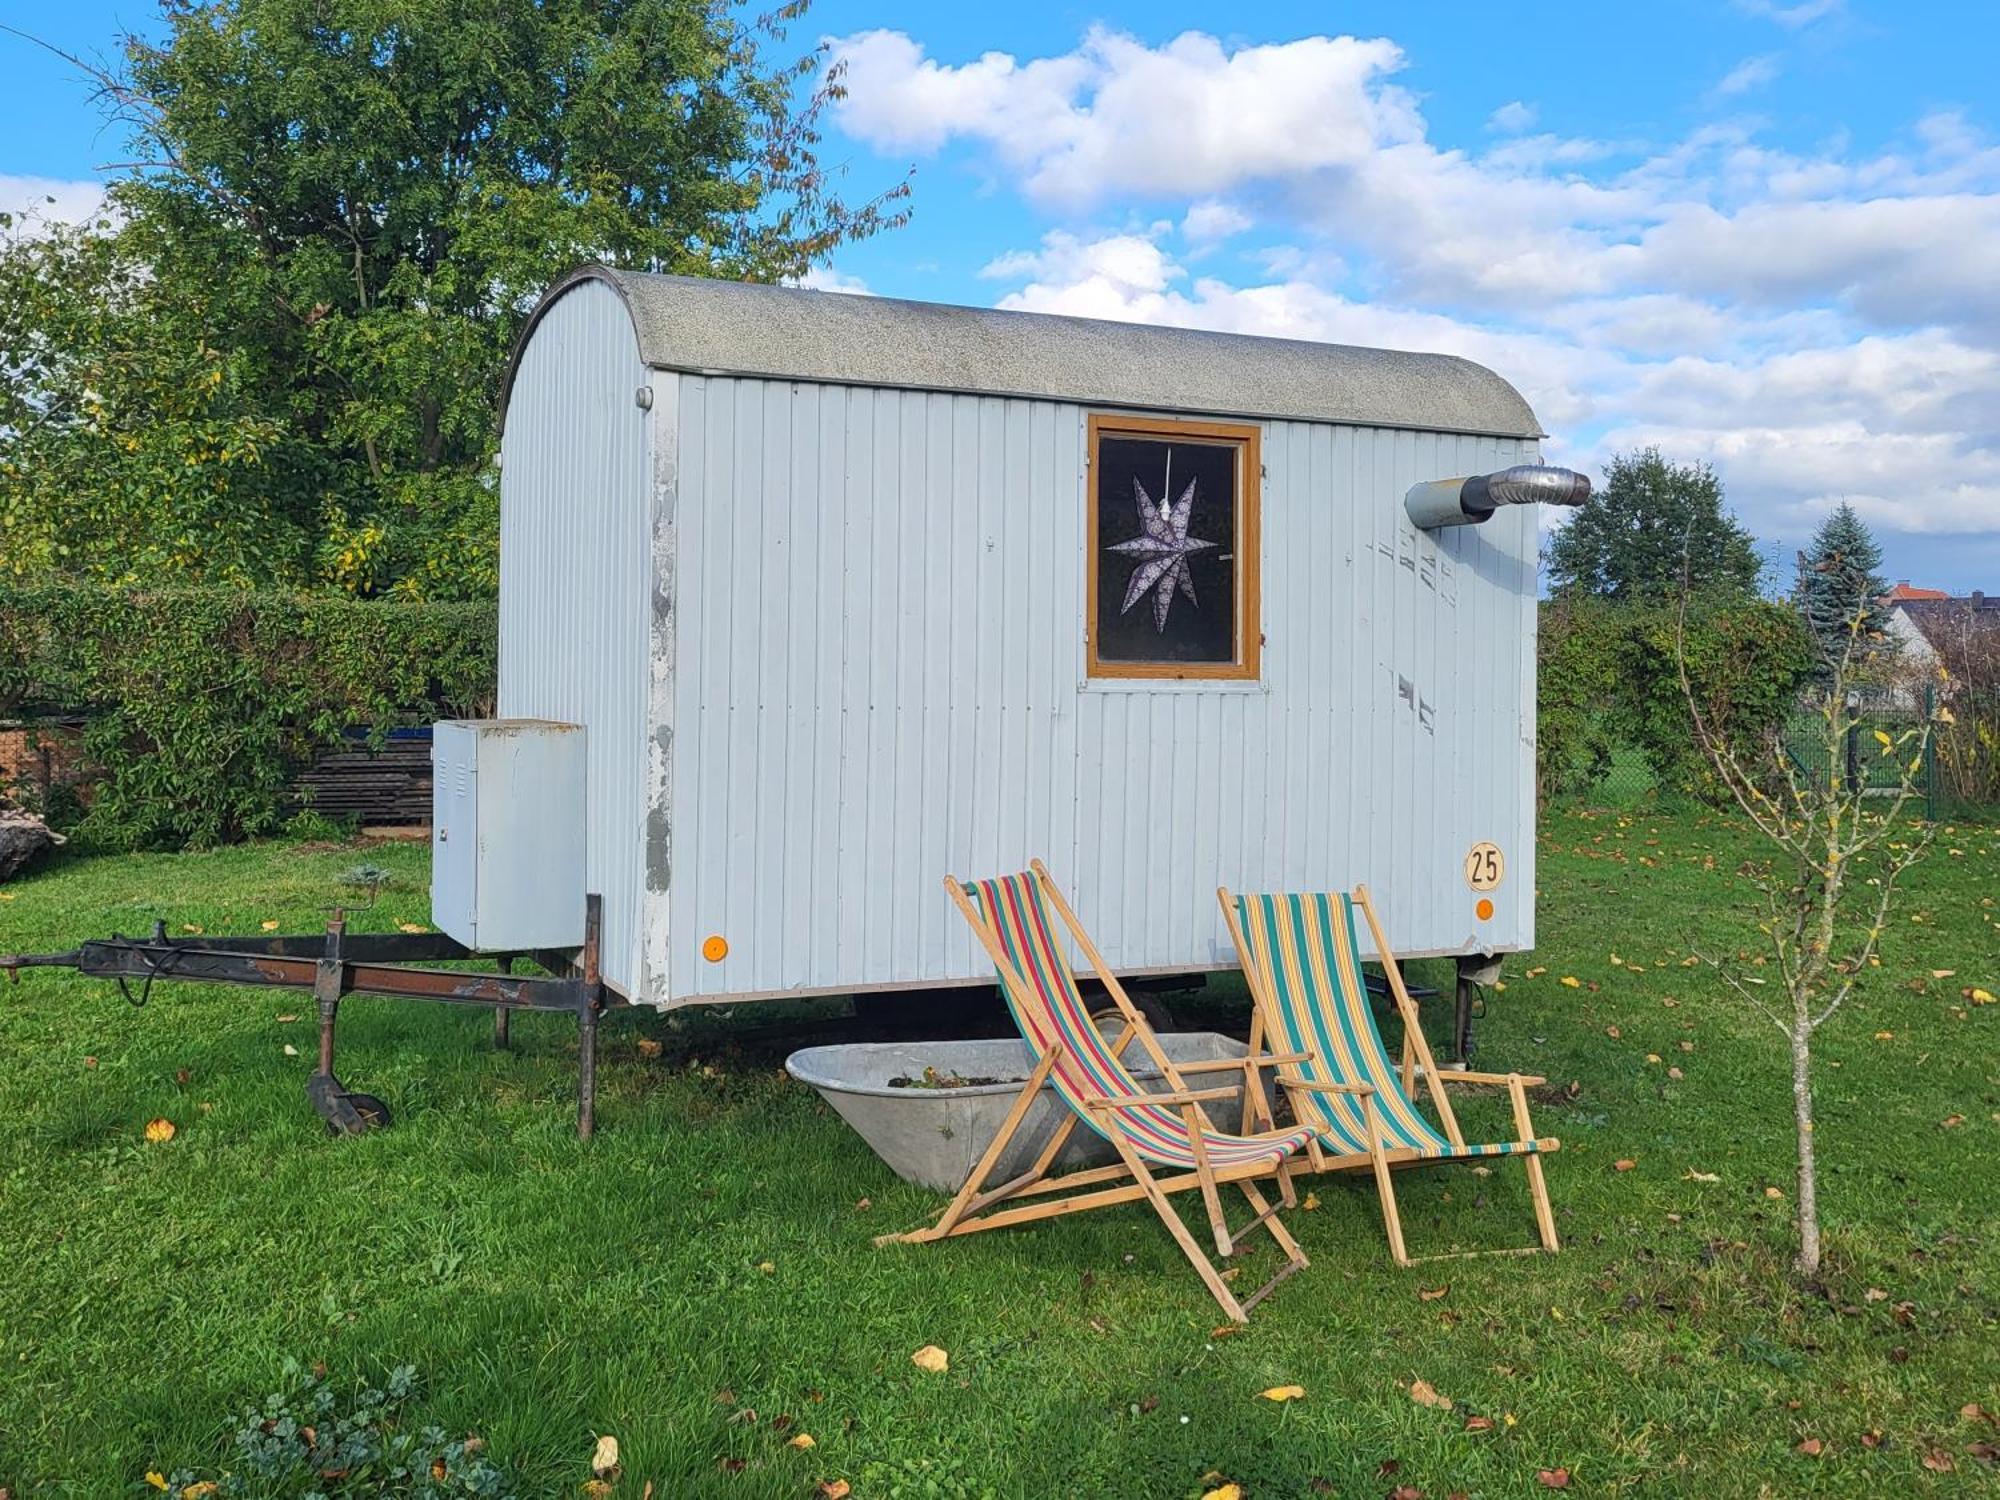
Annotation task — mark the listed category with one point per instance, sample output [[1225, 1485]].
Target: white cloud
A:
[[1211, 219], [827, 279], [1822, 324], [1794, 15], [50, 199], [1751, 73]]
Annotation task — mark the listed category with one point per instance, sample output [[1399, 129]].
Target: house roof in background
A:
[[1903, 591]]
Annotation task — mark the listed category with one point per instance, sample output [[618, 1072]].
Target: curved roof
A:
[[788, 333]]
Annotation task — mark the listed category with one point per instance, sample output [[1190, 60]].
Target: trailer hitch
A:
[[336, 965]]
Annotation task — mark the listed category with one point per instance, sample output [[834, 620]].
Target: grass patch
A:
[[707, 1257]]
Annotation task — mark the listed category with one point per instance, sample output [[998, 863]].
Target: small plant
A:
[[1837, 857], [304, 1442]]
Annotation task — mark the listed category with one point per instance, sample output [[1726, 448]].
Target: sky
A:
[[1763, 234]]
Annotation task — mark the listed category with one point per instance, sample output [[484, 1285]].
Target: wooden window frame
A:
[[1247, 440]]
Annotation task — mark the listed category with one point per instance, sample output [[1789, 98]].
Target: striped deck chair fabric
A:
[[1164, 1142], [1308, 948], [1055, 1012]]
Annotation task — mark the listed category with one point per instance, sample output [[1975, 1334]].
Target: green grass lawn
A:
[[699, 1282]]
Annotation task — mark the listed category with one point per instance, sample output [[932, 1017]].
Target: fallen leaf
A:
[[1943, 973], [1614, 1033], [931, 1359], [862, 1205], [156, 1479], [290, 1050], [193, 927], [1225, 1330], [1652, 1057], [1406, 1492], [1675, 1073], [1571, 982], [1311, 1203], [1979, 996], [1885, 1036], [1972, 1411], [1771, 1192], [269, 924], [1552, 1479], [1478, 1424], [159, 1130], [411, 927], [1938, 1461], [834, 1489], [201, 1489], [90, 1062], [1875, 1294], [1952, 1121], [1623, 1164], [1230, 1491], [1871, 1439], [648, 1047], [767, 1267], [286, 1020], [803, 1440], [1282, 1393], [1425, 1394], [1812, 1447], [1432, 1293], [605, 1457]]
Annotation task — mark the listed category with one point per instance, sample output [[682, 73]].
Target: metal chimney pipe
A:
[[1470, 500]]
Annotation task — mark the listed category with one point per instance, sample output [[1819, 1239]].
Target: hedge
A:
[[1609, 675], [201, 703]]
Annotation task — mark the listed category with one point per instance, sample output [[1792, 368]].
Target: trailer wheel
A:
[[373, 1112]]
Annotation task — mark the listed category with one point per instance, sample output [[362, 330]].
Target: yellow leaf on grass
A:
[[1691, 1175], [411, 927], [648, 1047], [1282, 1393], [803, 1440], [604, 1458], [1570, 981], [1311, 1203], [159, 1130], [1230, 1491], [931, 1359], [156, 1479], [834, 1489], [1425, 1394], [201, 1489], [1942, 973], [1885, 1036], [269, 924], [767, 1267], [1978, 996]]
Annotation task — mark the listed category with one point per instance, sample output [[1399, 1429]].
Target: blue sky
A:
[[1764, 233]]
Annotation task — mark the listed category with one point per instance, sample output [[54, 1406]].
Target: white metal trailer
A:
[[847, 593]]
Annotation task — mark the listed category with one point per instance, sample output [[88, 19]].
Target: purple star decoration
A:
[[1162, 547]]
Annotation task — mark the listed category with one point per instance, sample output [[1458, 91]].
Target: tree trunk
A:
[[1802, 1114]]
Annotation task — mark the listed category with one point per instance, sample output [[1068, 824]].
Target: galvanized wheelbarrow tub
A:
[[933, 1136]]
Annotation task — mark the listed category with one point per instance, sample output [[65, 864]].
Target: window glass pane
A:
[[1166, 561]]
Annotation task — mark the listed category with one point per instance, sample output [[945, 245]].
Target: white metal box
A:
[[507, 833]]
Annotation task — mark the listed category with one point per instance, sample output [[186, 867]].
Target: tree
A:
[[1628, 544], [1839, 583], [337, 215], [1828, 892]]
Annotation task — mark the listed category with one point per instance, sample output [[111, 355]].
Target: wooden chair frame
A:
[[1381, 1158], [976, 1207]]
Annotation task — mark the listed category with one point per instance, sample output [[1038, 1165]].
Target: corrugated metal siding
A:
[[881, 679], [575, 566]]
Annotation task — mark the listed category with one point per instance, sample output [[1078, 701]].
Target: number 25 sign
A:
[[1484, 867]]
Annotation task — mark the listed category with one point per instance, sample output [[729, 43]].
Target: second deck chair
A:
[[1011, 917], [1303, 963]]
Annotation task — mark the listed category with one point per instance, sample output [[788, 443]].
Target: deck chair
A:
[[1165, 1141], [1303, 963]]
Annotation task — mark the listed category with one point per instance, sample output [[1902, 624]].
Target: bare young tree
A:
[[1830, 888]]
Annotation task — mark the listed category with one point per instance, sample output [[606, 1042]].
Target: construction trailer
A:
[[845, 592]]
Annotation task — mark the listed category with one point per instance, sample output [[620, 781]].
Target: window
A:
[[1172, 575]]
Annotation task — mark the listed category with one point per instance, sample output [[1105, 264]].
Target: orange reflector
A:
[[1484, 910], [714, 949]]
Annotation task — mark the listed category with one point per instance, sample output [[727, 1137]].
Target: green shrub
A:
[[1609, 676], [203, 702]]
